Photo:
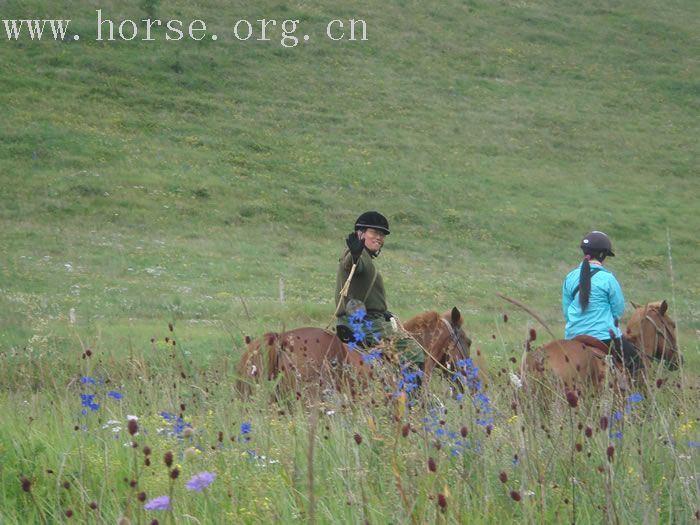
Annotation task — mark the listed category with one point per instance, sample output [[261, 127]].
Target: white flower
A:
[[515, 380]]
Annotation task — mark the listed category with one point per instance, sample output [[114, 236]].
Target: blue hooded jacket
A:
[[605, 305]]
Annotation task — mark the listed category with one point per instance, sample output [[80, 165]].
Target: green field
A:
[[152, 182]]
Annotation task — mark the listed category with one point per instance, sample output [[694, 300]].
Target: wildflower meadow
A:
[[157, 439]]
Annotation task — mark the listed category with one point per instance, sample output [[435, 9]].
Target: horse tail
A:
[[584, 283]]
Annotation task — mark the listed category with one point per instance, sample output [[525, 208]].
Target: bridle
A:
[[666, 333], [456, 334]]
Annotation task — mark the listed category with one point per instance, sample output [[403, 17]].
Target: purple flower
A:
[[159, 503], [200, 481], [115, 394]]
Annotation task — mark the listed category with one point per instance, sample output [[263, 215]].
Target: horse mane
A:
[[422, 321]]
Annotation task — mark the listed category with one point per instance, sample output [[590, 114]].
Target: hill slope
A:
[[149, 181]]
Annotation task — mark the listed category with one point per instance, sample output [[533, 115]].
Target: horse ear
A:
[[456, 316], [247, 339], [635, 304], [663, 307]]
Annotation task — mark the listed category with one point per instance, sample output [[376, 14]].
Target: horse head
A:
[[654, 333], [455, 343]]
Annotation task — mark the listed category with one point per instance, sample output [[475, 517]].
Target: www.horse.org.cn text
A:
[[287, 33]]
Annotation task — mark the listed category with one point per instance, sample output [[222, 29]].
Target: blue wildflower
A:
[[371, 357], [635, 398], [617, 415], [616, 435], [245, 428], [86, 380], [87, 399], [357, 316], [694, 444], [114, 394]]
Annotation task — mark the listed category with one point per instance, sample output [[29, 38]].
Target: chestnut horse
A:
[[576, 362], [314, 356]]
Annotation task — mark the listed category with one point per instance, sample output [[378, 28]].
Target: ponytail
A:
[[584, 283]]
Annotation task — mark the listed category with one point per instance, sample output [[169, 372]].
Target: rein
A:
[[663, 333], [456, 340]]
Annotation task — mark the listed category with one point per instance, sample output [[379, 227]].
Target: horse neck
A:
[[641, 332], [429, 330]]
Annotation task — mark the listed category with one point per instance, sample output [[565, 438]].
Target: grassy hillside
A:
[[146, 182]]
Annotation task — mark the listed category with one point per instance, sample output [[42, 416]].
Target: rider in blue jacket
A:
[[593, 301]]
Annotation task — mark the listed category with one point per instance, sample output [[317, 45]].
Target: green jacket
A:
[[366, 285]]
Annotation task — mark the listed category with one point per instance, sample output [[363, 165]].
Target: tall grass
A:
[[584, 458]]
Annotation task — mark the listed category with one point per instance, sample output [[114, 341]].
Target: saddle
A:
[[600, 348]]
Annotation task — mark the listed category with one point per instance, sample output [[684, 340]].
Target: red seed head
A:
[[154, 522], [358, 438], [132, 426], [464, 431], [26, 484], [572, 398], [147, 462], [533, 334], [588, 432], [69, 513], [432, 466], [442, 502], [146, 451], [660, 383], [405, 429], [88, 352], [515, 495], [579, 447], [168, 459], [503, 476], [174, 473], [93, 505], [170, 326], [611, 453], [604, 423], [66, 484], [141, 496]]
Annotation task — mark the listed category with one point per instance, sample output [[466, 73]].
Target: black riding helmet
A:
[[597, 242], [374, 220]]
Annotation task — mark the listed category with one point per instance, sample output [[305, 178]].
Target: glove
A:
[[355, 245]]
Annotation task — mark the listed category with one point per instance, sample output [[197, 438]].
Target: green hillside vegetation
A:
[[150, 182]]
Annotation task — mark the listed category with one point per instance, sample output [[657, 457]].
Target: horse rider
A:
[[593, 302], [366, 297]]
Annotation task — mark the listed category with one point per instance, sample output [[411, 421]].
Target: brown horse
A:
[[301, 356], [576, 362], [314, 356], [441, 337]]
